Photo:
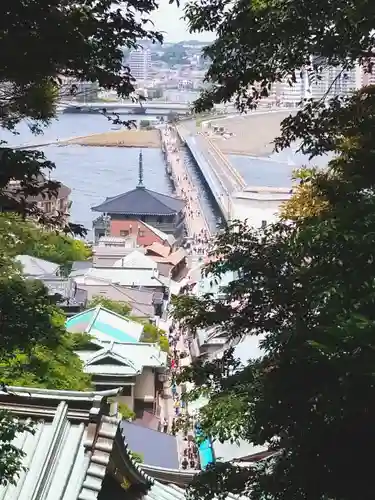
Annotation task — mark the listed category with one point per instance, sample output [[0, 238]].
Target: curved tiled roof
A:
[[140, 201], [73, 446]]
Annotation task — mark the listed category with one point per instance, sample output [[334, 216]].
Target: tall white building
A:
[[332, 82], [139, 62]]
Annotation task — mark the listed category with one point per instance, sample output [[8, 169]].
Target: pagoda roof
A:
[[140, 201]]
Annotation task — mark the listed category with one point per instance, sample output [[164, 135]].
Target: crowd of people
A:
[[188, 450]]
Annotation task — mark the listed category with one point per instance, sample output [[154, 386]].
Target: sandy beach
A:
[[121, 138], [253, 134]]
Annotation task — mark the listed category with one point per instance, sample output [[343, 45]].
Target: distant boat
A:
[[116, 127]]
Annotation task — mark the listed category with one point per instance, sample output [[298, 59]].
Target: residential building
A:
[[259, 206], [34, 267], [144, 303], [122, 213], [169, 263], [50, 205], [144, 279], [110, 248], [330, 80], [105, 325], [138, 368], [139, 62], [69, 297]]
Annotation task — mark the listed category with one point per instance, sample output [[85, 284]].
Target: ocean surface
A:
[[94, 173]]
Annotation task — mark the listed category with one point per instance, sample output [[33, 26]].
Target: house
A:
[[136, 279], [111, 248], [136, 367], [105, 325], [144, 303], [58, 204], [169, 262], [211, 340], [80, 452], [34, 267], [121, 214], [69, 297]]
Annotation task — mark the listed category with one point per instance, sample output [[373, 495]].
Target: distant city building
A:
[[331, 81], [366, 76], [139, 62]]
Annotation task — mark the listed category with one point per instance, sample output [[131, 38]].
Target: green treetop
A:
[[305, 284], [24, 237]]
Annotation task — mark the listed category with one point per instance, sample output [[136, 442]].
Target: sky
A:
[[168, 19]]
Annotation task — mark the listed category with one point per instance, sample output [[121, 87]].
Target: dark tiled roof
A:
[[158, 449], [140, 201]]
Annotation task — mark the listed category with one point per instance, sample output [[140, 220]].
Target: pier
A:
[[194, 213]]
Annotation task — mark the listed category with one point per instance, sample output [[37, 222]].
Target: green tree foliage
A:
[[116, 306], [288, 33], [306, 289], [137, 457], [25, 316], [155, 335], [126, 412], [10, 455], [24, 237], [40, 44], [35, 349]]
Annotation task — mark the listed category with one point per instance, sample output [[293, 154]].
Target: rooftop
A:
[[137, 278], [105, 325], [141, 201], [32, 266], [136, 260], [74, 442], [158, 448], [120, 358]]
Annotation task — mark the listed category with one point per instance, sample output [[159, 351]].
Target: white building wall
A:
[[257, 212], [145, 385], [128, 400]]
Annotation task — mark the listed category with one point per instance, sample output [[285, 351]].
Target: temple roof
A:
[[140, 201], [73, 446]]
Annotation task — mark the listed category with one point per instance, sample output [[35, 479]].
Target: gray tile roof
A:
[[69, 453], [158, 449], [32, 266], [140, 201]]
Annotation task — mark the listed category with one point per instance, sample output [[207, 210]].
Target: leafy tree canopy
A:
[[41, 44], [265, 41], [23, 237], [116, 306], [305, 285], [35, 349]]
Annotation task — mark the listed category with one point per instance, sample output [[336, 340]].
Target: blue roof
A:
[[104, 324], [158, 449]]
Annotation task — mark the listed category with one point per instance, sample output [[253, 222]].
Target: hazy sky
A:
[[168, 19]]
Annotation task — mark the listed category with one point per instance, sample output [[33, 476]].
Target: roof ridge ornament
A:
[[140, 170]]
